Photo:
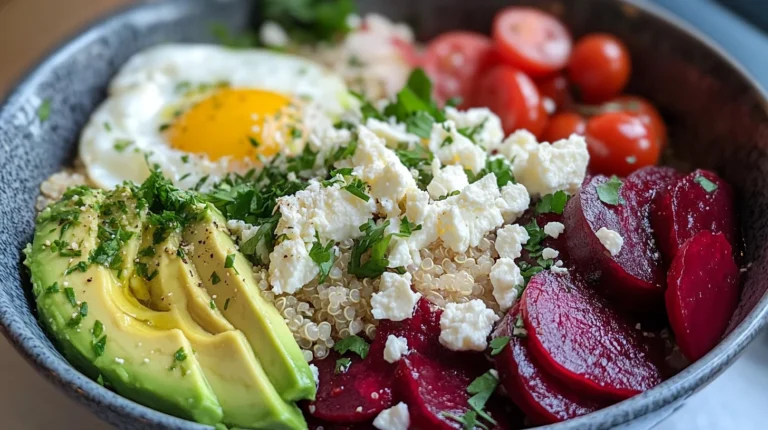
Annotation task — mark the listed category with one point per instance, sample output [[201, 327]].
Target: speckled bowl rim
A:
[[76, 385]]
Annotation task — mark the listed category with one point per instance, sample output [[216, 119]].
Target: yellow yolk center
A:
[[229, 122]]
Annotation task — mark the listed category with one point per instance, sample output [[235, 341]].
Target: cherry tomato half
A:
[[555, 88], [619, 144], [599, 67], [531, 40], [452, 61], [513, 96], [646, 112], [562, 125]]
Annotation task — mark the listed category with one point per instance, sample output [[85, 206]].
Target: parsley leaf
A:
[[121, 145], [310, 21], [608, 192], [180, 355], [420, 124], [98, 329], [215, 278], [706, 184], [552, 203], [44, 110], [445, 196], [342, 365], [70, 293], [482, 388], [230, 261], [99, 346], [357, 188], [353, 343], [407, 227], [323, 256], [498, 344], [375, 240]]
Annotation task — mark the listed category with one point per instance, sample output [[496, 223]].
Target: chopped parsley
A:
[[107, 126], [70, 293], [100, 345], [420, 124], [470, 132], [98, 329], [310, 21], [343, 152], [44, 110], [445, 196], [185, 159], [147, 252], [705, 183], [552, 203], [608, 192], [163, 127], [323, 256], [79, 267], [54, 288], [230, 261], [519, 329], [215, 278], [482, 388], [180, 355], [407, 227], [212, 304], [224, 36], [499, 166], [342, 365], [226, 303], [121, 145], [252, 140], [357, 188], [377, 242], [353, 343], [498, 344]]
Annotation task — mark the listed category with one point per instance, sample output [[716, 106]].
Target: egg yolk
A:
[[229, 122]]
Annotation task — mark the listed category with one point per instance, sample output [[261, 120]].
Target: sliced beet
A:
[[354, 396], [700, 201], [543, 398], [433, 388], [635, 277], [702, 293], [577, 337], [422, 331]]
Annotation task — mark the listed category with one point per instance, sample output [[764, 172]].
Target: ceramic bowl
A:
[[716, 115]]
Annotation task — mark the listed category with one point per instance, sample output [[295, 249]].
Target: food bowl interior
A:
[[717, 119]]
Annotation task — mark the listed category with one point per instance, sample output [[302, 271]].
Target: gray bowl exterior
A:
[[717, 118]]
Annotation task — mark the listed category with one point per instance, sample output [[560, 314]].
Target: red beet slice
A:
[[700, 201], [432, 388], [702, 293], [354, 396], [577, 337], [422, 331], [634, 277], [543, 398]]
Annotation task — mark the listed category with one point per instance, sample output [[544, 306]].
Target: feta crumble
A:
[[315, 374], [395, 348], [290, 267], [549, 253], [489, 133], [452, 147], [611, 240], [394, 418], [510, 240], [506, 280], [447, 180], [469, 216], [514, 201], [554, 229], [395, 300], [466, 326]]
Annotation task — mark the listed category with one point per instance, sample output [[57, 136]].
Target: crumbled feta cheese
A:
[[119, 360], [545, 168], [290, 266], [510, 240], [611, 240], [273, 35], [315, 374], [549, 253], [317, 209], [399, 253], [554, 229], [393, 133], [466, 326], [507, 282], [395, 348], [452, 147], [395, 300], [447, 180], [394, 418], [514, 201], [489, 134], [416, 205], [558, 268], [465, 219]]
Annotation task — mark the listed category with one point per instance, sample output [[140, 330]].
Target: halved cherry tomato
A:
[[452, 61], [599, 67], [513, 96], [555, 88], [562, 125], [646, 112], [531, 40], [619, 144]]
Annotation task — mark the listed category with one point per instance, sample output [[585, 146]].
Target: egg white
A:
[[147, 87]]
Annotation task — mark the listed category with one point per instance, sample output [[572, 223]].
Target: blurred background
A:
[[30, 28]]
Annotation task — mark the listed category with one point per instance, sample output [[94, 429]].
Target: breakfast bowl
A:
[[715, 113]]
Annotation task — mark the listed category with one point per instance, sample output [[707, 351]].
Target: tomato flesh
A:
[[599, 67], [555, 88], [646, 112], [453, 60], [531, 40], [619, 144], [513, 96], [562, 125]]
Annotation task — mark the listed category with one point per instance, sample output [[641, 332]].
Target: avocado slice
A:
[[239, 298], [242, 387], [81, 305]]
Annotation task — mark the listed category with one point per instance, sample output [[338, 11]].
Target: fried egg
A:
[[197, 112]]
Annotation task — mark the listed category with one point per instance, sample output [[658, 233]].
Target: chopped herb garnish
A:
[[375, 240], [212, 304], [482, 388], [454, 101], [215, 278], [420, 124], [498, 344], [342, 365], [84, 309], [54, 288], [255, 143], [470, 132], [310, 20], [608, 192], [163, 127], [147, 252], [357, 188], [121, 145], [180, 355], [226, 304], [107, 126], [98, 329], [99, 346], [519, 329], [201, 182], [407, 227], [500, 167], [323, 256], [185, 159], [353, 343], [230, 261], [79, 267], [445, 196], [70, 293], [44, 110], [706, 184], [552, 203], [447, 141]]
